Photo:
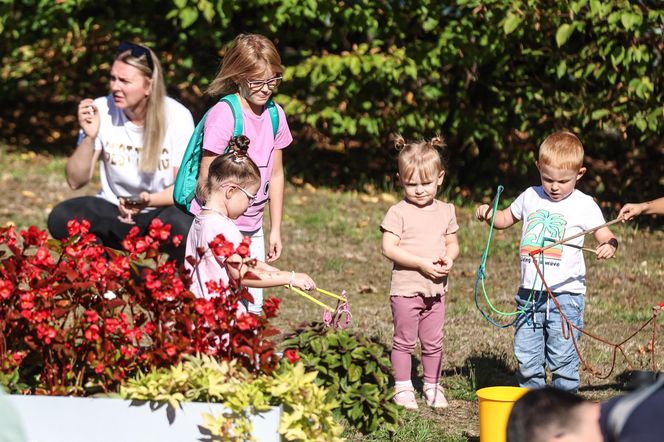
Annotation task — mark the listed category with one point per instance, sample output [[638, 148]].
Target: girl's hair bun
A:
[[238, 147]]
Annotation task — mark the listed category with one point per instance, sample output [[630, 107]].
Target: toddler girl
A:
[[419, 237], [232, 183]]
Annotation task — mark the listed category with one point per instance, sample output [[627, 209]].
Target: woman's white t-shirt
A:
[[121, 142]]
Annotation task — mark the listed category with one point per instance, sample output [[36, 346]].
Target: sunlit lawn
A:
[[335, 237]]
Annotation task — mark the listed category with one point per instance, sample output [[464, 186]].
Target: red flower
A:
[[220, 247], [291, 355], [159, 230], [99, 368], [92, 333], [128, 351], [177, 240], [170, 349], [34, 237], [91, 316], [111, 325], [243, 248], [246, 321], [46, 333], [6, 288], [43, 257], [76, 227]]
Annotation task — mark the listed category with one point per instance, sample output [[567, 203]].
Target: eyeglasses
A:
[[137, 51], [250, 197], [257, 85]]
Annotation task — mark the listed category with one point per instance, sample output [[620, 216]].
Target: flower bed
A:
[[77, 319]]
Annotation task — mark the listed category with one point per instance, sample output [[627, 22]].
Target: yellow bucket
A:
[[495, 407]]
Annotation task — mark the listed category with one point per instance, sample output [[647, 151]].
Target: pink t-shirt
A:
[[262, 143], [421, 231], [203, 230]]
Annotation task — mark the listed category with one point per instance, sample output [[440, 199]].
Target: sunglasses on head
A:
[[137, 51]]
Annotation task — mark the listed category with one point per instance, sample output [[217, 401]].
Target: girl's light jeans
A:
[[539, 340], [257, 250]]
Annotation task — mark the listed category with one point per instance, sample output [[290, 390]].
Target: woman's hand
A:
[[88, 118], [128, 207]]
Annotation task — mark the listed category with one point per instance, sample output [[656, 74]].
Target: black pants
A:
[[110, 231]]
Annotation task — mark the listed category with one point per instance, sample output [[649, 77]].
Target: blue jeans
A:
[[539, 340]]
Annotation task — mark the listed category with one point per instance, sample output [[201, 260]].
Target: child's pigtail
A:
[[438, 142], [399, 142]]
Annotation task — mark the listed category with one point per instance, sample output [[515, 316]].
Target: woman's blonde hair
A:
[[562, 150], [154, 128], [247, 57], [421, 157]]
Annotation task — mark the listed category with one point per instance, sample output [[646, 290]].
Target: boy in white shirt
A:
[[551, 212]]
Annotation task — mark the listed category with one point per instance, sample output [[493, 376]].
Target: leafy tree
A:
[[494, 77]]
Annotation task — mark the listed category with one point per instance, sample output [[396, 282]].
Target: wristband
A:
[[292, 277], [612, 242]]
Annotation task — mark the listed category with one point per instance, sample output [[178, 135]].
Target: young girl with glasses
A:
[[251, 69], [419, 237], [232, 183]]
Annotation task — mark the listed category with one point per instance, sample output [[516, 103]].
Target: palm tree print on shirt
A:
[[544, 227]]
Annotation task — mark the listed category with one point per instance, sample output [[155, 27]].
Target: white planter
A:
[[74, 419]]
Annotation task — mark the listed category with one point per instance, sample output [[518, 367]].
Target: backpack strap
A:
[[274, 116], [184, 189], [625, 407], [236, 108]]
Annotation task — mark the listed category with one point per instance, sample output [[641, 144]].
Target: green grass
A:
[[335, 237]]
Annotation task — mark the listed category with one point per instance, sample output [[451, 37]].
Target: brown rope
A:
[[567, 326]]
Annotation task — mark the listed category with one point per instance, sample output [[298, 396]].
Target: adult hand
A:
[[275, 247], [88, 118], [631, 210], [128, 207]]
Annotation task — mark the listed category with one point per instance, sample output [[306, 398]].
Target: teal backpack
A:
[[184, 190]]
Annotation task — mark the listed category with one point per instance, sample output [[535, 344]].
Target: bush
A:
[[354, 370], [307, 409]]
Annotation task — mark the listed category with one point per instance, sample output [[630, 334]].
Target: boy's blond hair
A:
[[421, 157], [562, 150]]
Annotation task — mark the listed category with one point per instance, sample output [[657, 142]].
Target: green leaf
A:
[[188, 16], [511, 22], [599, 114], [563, 34]]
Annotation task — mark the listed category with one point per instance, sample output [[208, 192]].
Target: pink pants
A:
[[418, 317]]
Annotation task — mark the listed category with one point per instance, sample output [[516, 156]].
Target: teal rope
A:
[[481, 276]]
